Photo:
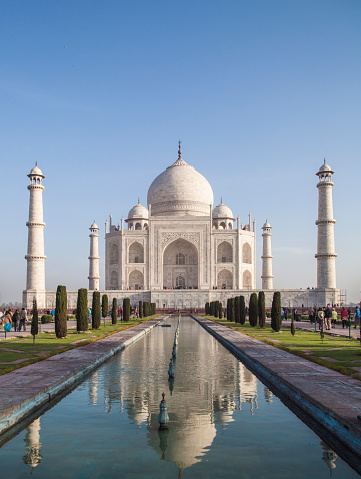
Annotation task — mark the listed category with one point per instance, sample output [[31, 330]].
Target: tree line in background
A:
[[236, 310], [100, 308]]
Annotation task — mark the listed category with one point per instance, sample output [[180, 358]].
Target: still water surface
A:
[[223, 421]]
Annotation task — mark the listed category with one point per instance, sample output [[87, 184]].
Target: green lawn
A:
[[340, 354], [19, 352]]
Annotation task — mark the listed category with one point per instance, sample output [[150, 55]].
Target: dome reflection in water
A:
[[223, 422]]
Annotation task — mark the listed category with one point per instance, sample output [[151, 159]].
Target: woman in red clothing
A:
[[344, 316]]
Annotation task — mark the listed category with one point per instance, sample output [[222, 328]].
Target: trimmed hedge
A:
[[46, 318]]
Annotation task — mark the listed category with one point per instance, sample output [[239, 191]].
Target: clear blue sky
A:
[[259, 92]]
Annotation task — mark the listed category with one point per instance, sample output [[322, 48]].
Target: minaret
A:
[[35, 277], [267, 278], [326, 265], [94, 259]]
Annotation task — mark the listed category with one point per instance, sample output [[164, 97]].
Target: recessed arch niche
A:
[[136, 253], [224, 279], [136, 280], [224, 252], [180, 265]]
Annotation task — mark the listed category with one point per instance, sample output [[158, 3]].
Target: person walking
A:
[[16, 320], [328, 317], [22, 319], [344, 316], [321, 318], [357, 317], [334, 318], [7, 321]]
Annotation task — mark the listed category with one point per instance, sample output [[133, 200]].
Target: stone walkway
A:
[[330, 398], [27, 389]]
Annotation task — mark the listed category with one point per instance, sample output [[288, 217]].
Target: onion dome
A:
[[180, 190], [266, 225], [36, 171], [138, 212], [94, 226], [325, 168], [222, 211]]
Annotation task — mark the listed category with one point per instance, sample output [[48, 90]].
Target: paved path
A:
[[26, 389], [332, 399]]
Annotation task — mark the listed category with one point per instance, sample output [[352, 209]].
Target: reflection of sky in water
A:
[[223, 421]]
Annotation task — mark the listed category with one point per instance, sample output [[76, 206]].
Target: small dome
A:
[[222, 211], [138, 211], [325, 168], [94, 226], [266, 225], [36, 171]]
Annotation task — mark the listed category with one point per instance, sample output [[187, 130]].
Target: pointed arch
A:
[[224, 253], [224, 279], [247, 253], [136, 280], [136, 253], [247, 280]]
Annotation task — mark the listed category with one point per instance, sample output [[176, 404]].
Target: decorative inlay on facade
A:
[[167, 237]]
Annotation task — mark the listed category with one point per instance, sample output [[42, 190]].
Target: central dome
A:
[[180, 190]]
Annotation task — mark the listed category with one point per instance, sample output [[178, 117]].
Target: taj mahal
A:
[[180, 251]]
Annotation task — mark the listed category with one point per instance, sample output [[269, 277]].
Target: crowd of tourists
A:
[[326, 317], [14, 320]]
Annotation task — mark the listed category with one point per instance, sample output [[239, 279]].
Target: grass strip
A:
[[345, 353], [48, 344]]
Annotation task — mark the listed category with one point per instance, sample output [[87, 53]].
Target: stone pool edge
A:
[[10, 416], [335, 424]]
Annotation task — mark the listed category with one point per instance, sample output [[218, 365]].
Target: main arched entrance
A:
[[180, 265]]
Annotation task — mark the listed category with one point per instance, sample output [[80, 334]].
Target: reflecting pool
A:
[[223, 421]]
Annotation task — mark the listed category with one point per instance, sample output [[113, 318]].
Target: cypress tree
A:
[[220, 310], [276, 318], [154, 309], [96, 310], [228, 309], [144, 309], [206, 309], [237, 309], [61, 317], [82, 310], [293, 330], [261, 309], [253, 310], [105, 306], [34, 321], [232, 312], [140, 309], [242, 308], [126, 310], [115, 311]]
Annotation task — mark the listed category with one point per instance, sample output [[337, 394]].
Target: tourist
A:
[[328, 317], [334, 318], [344, 316], [321, 318], [315, 315], [357, 317], [22, 319], [7, 321], [16, 319], [282, 314]]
